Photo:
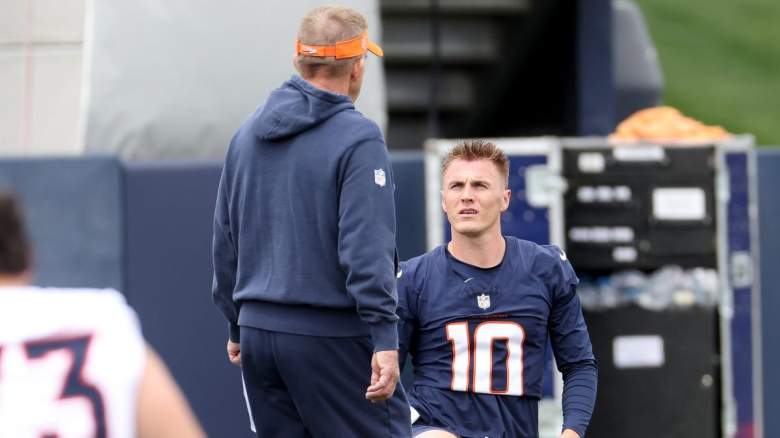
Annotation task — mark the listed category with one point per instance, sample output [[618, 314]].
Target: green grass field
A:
[[721, 61]]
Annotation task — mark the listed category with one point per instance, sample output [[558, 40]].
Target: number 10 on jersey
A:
[[486, 334]]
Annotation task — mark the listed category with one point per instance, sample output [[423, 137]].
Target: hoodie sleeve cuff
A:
[[234, 332], [384, 335]]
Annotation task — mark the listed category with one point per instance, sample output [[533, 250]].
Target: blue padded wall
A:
[[409, 175], [169, 211], [73, 214], [769, 234]]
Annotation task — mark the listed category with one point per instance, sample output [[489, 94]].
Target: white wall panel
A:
[[41, 76], [12, 97], [58, 20], [56, 103], [13, 14]]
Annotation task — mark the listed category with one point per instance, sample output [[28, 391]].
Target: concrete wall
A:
[[41, 54], [148, 79]]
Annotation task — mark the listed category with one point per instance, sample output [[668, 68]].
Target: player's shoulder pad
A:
[[114, 295], [104, 304], [116, 300], [407, 274], [552, 263], [414, 272], [107, 297]]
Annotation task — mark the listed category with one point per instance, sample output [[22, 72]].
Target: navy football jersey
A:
[[477, 337]]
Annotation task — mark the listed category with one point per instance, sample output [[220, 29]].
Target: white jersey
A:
[[71, 361]]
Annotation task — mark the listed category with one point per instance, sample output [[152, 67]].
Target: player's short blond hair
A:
[[472, 150], [325, 26]]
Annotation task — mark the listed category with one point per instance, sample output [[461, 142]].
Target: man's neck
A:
[[337, 86], [484, 251], [14, 280]]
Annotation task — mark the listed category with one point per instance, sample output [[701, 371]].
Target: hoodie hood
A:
[[295, 107]]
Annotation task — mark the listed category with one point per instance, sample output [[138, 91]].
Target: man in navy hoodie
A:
[[304, 248]]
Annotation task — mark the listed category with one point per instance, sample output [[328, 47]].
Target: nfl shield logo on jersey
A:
[[379, 177], [483, 301]]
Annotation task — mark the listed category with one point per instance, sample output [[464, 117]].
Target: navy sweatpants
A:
[[312, 387]]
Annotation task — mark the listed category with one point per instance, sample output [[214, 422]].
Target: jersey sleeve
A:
[[570, 340], [407, 311], [568, 332]]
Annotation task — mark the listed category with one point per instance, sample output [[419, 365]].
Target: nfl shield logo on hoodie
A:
[[379, 177]]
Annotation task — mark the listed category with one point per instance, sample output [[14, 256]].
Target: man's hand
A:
[[234, 353], [384, 375], [568, 433]]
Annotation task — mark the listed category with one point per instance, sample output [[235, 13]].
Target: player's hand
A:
[[568, 433], [384, 375], [234, 353]]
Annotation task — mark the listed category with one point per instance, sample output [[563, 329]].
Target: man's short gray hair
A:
[[326, 26]]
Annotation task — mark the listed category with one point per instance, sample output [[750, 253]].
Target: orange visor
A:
[[341, 50]]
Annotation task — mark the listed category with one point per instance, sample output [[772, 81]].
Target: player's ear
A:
[[296, 64], [505, 199], [443, 205], [357, 68]]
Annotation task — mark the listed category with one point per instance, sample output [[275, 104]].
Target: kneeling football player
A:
[[477, 313]]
